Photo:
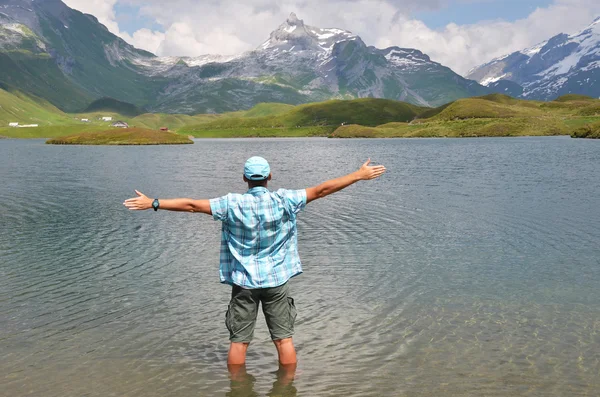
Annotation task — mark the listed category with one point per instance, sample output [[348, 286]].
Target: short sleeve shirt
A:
[[259, 245]]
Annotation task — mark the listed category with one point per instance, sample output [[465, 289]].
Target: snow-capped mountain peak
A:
[[561, 65], [294, 35]]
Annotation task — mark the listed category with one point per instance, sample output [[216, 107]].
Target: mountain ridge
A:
[[561, 65], [70, 59]]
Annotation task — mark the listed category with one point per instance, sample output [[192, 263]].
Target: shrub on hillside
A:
[[587, 131]]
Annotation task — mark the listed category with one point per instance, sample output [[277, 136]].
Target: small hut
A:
[[120, 124], [164, 128]]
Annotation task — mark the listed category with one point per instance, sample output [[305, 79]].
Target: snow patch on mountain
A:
[[533, 50], [486, 82]]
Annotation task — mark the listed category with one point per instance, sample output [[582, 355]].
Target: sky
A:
[[460, 34]]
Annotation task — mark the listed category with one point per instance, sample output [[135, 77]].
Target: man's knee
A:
[[283, 342], [286, 351], [237, 353]]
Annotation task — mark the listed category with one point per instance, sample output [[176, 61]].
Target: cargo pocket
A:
[[229, 319], [293, 312]]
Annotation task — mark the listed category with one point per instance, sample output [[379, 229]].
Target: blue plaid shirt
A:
[[259, 246]]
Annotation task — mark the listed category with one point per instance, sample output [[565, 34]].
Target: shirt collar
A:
[[257, 190]]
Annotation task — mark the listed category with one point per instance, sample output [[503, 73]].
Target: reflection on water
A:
[[242, 383], [471, 268]]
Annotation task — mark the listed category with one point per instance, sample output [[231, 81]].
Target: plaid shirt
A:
[[259, 247]]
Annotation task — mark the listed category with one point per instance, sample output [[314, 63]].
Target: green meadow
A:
[[491, 115]]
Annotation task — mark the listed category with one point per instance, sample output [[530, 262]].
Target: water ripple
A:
[[471, 268]]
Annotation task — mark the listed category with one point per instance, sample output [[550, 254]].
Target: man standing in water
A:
[[259, 250]]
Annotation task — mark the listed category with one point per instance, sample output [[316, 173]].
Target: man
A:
[[259, 250]]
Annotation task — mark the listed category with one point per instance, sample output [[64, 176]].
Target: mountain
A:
[[111, 105], [562, 65], [301, 63], [67, 57], [70, 59]]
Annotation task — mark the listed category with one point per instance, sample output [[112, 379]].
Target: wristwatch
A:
[[155, 204]]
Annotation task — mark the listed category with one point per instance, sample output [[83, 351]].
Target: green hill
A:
[[114, 106], [18, 107], [39, 75], [574, 97], [325, 115], [492, 106], [268, 109], [493, 115], [171, 121]]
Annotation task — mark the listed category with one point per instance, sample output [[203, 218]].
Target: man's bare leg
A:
[[286, 351], [237, 372], [237, 353]]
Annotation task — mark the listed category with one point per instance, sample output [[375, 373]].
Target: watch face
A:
[[155, 204]]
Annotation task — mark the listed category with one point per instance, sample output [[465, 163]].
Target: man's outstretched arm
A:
[[142, 202], [365, 172]]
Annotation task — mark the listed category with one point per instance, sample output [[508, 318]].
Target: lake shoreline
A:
[[305, 137]]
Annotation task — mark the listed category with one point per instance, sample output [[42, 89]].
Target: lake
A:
[[471, 268]]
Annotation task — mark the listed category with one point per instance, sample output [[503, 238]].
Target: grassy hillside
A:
[[490, 115], [591, 131], [16, 106], [574, 97], [172, 121], [122, 136], [51, 131], [493, 115], [457, 128], [491, 106], [326, 115], [268, 109], [39, 75]]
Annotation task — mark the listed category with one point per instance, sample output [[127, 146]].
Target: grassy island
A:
[[123, 136]]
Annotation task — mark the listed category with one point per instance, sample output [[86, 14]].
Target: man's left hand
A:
[[141, 202]]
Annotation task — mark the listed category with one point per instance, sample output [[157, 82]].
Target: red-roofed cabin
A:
[[164, 128]]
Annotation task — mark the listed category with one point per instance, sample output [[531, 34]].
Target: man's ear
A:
[[269, 178]]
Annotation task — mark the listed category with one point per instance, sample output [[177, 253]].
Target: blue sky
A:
[[467, 12], [130, 20], [460, 12]]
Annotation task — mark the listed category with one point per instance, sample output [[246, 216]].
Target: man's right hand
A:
[[367, 171]]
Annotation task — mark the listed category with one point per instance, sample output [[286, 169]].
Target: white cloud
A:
[[229, 27], [145, 39], [104, 11], [101, 9], [466, 46]]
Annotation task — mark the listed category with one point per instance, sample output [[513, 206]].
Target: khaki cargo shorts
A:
[[278, 308]]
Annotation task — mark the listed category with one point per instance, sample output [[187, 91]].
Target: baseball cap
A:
[[256, 169]]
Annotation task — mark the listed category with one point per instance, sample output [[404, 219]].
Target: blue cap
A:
[[256, 169]]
